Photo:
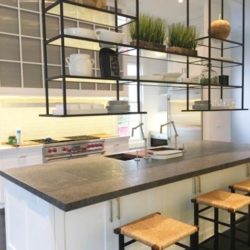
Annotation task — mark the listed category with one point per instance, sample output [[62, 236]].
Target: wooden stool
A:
[[243, 186], [158, 232], [220, 199]]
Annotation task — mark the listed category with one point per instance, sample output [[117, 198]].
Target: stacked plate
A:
[[118, 107]]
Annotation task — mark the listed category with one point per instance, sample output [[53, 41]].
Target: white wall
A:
[[241, 120]]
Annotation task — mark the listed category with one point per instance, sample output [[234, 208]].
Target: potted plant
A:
[[152, 32], [182, 39]]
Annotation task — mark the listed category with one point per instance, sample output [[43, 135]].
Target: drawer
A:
[[20, 157]]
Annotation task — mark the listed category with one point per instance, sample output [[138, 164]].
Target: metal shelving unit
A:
[[222, 45], [116, 19], [109, 18]]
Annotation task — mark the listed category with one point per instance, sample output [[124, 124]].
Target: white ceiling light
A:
[[180, 1]]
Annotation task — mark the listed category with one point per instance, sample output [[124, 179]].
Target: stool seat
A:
[[157, 231], [224, 200], [242, 186]]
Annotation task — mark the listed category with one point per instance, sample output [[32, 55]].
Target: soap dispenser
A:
[[18, 137]]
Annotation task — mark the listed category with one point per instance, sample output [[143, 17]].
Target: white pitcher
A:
[[80, 65]]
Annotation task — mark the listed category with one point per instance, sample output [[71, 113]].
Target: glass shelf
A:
[[93, 44], [87, 43], [96, 114], [217, 43], [133, 81], [172, 57], [90, 79], [89, 14], [212, 110]]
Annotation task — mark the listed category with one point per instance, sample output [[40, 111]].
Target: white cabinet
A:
[[18, 157], [29, 220], [116, 144], [21, 156]]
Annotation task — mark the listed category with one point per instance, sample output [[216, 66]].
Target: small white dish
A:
[[82, 32], [109, 36]]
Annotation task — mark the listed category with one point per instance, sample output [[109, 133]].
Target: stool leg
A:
[[193, 242], [232, 231], [216, 228], [195, 237], [248, 219], [121, 242]]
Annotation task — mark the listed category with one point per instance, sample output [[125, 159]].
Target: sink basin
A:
[[123, 156]]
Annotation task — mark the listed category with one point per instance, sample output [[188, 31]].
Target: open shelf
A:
[[87, 43], [213, 110], [90, 79], [89, 14], [177, 58], [146, 82], [218, 43], [95, 114]]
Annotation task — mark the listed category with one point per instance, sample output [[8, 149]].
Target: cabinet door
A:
[[223, 178], [137, 205], [85, 228], [177, 200]]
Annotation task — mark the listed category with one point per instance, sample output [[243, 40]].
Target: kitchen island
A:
[[75, 204]]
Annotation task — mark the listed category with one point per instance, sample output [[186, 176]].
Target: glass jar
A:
[[204, 77]]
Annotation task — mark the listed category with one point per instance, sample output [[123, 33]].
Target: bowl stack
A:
[[118, 107]]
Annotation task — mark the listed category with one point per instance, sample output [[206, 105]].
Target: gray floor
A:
[[2, 231]]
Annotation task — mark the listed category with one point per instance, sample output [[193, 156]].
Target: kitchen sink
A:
[[123, 156]]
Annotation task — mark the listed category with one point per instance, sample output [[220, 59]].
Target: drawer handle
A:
[[111, 211], [22, 156]]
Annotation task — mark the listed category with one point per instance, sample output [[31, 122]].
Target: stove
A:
[[70, 147]]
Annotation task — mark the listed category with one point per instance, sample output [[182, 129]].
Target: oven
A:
[[70, 147]]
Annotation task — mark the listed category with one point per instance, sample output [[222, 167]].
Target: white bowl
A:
[[82, 32], [109, 36]]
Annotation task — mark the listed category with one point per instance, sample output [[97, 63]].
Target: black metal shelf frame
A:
[[222, 48], [62, 39]]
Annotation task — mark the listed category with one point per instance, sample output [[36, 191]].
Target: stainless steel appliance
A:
[[70, 147]]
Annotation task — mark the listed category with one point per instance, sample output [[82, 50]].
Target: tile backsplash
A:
[[33, 126]]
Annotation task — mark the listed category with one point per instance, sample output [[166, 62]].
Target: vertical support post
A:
[[222, 50], [216, 228], [46, 84], [64, 87], [116, 29], [243, 53], [138, 56], [187, 63], [209, 54]]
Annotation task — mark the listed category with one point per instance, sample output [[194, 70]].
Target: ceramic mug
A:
[[80, 64]]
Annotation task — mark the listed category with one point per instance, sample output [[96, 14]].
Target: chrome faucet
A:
[[143, 137], [171, 123]]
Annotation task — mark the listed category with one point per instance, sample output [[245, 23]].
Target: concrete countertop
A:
[[71, 184]]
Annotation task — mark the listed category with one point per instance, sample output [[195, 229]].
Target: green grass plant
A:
[[179, 35], [151, 29]]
